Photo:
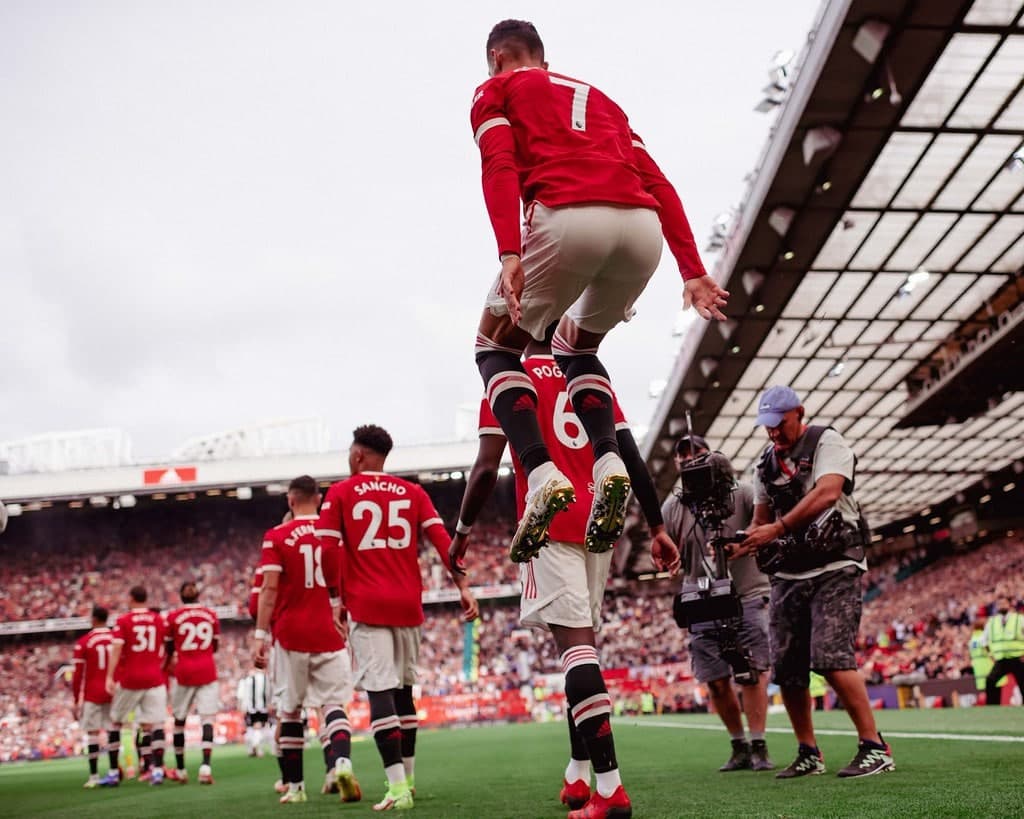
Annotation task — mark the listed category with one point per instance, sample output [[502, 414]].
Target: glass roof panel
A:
[[882, 288], [720, 428], [845, 291], [949, 78], [1012, 260], [893, 375], [889, 230], [730, 447], [940, 330], [996, 83], [1000, 237], [846, 237], [756, 373], [1005, 187], [910, 331], [878, 332], [838, 403], [1012, 119], [992, 12], [890, 169], [944, 155], [921, 240], [847, 332], [752, 447], [814, 401], [975, 296], [861, 427], [866, 375], [890, 351], [958, 241], [921, 350], [781, 338], [951, 286], [811, 374], [863, 402], [984, 162], [812, 288], [737, 402]]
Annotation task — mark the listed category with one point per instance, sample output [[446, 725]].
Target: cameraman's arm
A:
[[825, 493]]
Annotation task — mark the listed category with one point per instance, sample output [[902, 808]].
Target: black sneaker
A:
[[808, 761], [740, 759], [759, 759], [870, 759]]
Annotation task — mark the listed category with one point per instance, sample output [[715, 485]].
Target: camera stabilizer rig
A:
[[706, 487]]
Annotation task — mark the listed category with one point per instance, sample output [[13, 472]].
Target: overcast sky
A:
[[218, 213]]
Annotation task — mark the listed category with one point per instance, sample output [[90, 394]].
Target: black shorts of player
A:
[[254, 717], [813, 625]]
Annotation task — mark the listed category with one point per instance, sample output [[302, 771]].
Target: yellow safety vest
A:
[[981, 662], [1005, 639]]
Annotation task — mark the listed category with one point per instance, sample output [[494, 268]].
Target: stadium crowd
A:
[[918, 618]]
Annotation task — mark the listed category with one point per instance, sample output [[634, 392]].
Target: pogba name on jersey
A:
[[379, 485]]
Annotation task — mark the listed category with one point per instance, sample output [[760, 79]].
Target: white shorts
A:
[[275, 676], [385, 657], [590, 262], [96, 717], [149, 704], [314, 680], [205, 697], [564, 586]]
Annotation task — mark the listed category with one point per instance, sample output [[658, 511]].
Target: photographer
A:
[[710, 642], [809, 536]]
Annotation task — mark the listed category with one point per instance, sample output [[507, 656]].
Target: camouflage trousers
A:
[[813, 624]]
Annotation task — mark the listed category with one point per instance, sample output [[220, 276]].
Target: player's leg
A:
[[113, 747], [330, 783], [153, 712], [92, 739], [330, 684], [181, 701], [408, 644], [294, 666], [607, 300], [374, 657], [207, 704]]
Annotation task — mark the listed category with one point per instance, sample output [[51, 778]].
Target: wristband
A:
[[260, 634], [463, 528], [335, 602], [504, 256], [785, 528]]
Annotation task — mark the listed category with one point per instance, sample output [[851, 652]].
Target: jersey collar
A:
[[306, 517]]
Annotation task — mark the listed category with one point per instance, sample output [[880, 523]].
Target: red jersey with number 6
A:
[[91, 659], [567, 443], [377, 518], [142, 633], [195, 631], [302, 618]]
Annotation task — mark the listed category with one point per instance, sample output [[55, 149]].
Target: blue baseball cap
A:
[[775, 402]]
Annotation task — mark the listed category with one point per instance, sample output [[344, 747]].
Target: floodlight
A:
[[820, 143], [727, 328], [837, 369], [780, 219], [99, 501], [127, 501], [752, 280], [870, 38], [244, 493], [708, 365]]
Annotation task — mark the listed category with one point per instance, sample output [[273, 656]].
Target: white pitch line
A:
[[832, 732]]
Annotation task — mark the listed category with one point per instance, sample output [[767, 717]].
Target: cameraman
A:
[[707, 639], [806, 473]]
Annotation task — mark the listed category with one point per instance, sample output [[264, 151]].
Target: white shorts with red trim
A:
[[590, 262], [564, 586], [314, 680]]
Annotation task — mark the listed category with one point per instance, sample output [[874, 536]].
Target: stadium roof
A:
[[883, 232]]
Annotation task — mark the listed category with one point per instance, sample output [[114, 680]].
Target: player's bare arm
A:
[[479, 485], [664, 553], [261, 636]]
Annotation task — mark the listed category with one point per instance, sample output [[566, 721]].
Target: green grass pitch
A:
[[669, 766]]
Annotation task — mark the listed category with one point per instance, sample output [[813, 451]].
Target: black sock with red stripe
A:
[[513, 400], [386, 727], [589, 705], [113, 747], [338, 731], [577, 747], [406, 707], [291, 744], [179, 744], [590, 391]]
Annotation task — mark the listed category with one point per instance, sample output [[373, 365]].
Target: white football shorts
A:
[[564, 586], [314, 680], [384, 657], [149, 704], [205, 697], [590, 262], [96, 717]]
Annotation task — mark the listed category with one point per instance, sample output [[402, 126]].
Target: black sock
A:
[[809, 749], [94, 756], [406, 707], [513, 399], [577, 747], [386, 727], [143, 742], [590, 705], [158, 747], [113, 747], [291, 743], [591, 394], [179, 744], [338, 732], [207, 742]]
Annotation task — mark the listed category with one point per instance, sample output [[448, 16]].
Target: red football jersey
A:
[[92, 656], [377, 518], [566, 143], [142, 633], [194, 630], [567, 443], [302, 613]]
